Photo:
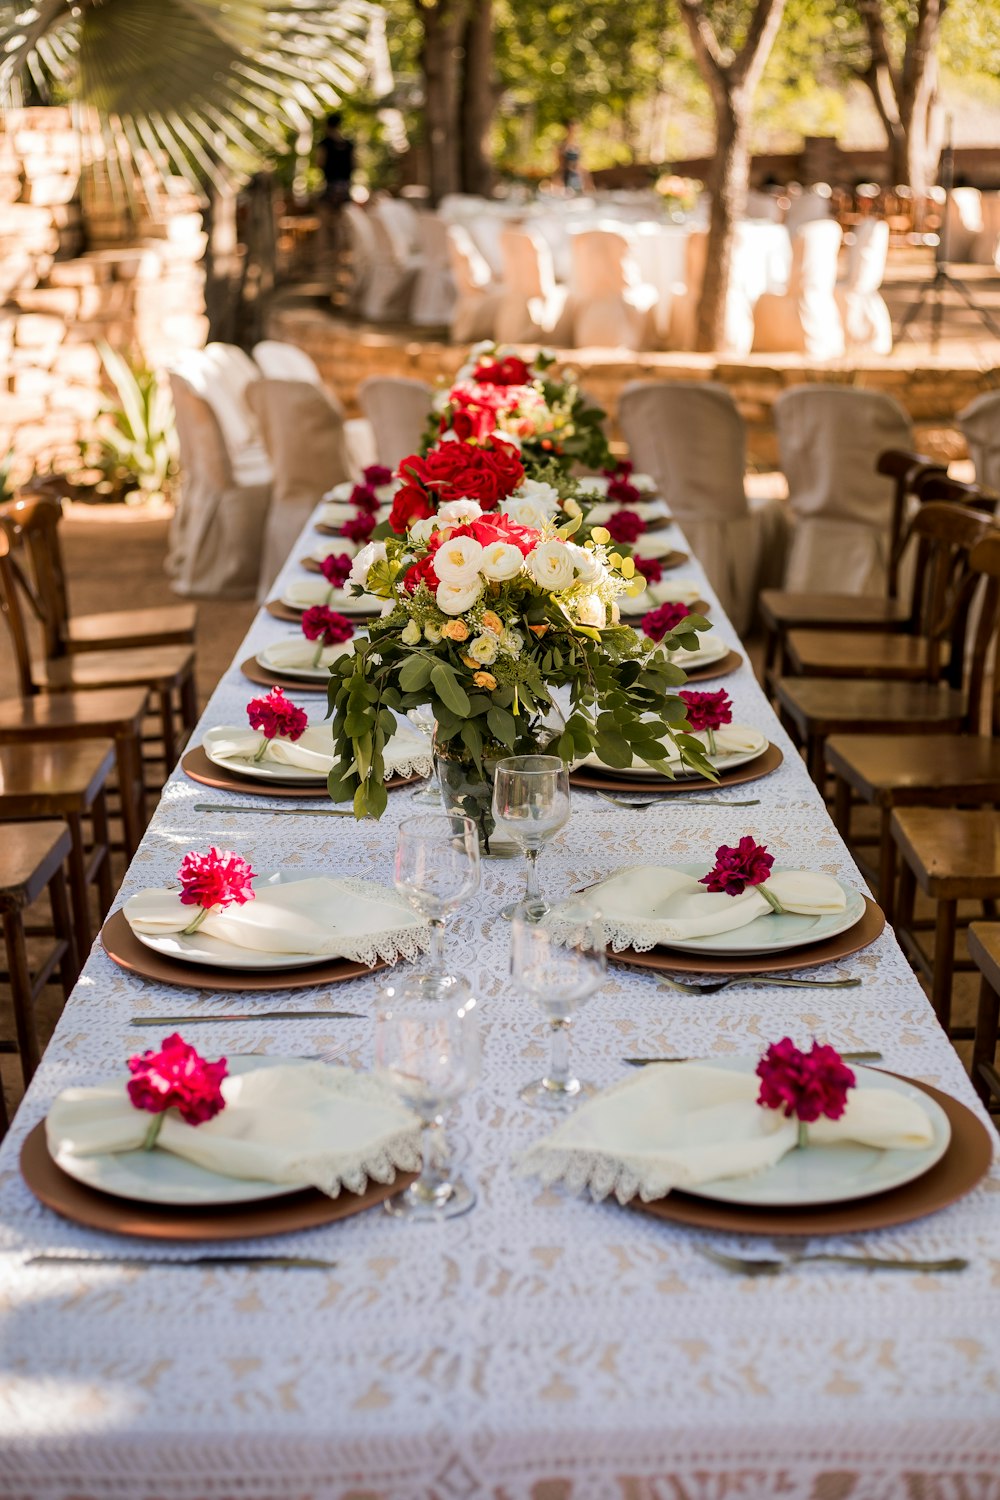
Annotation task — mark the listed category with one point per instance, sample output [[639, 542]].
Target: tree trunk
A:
[[730, 179], [441, 57], [478, 94], [905, 96]]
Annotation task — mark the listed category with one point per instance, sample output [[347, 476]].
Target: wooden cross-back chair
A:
[[32, 585]]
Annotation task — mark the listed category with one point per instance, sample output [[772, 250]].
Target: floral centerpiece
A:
[[487, 619]]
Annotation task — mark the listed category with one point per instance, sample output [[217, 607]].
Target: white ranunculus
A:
[[456, 598], [588, 569], [458, 560], [512, 643], [589, 611], [593, 484], [370, 554], [412, 633], [551, 566], [432, 632], [540, 492], [616, 614], [524, 511], [500, 561], [483, 650], [457, 512], [424, 529]]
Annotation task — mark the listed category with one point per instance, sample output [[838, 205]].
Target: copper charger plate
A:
[[254, 672], [238, 1221], [699, 607], [198, 767], [720, 668], [670, 560], [124, 948], [593, 780], [673, 961], [294, 616], [963, 1165]]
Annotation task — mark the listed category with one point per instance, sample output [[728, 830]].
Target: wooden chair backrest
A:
[[945, 586], [906, 468], [31, 579], [984, 560]]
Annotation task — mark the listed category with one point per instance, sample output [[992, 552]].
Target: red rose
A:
[[324, 624], [500, 529], [511, 370], [462, 426], [177, 1078], [487, 473], [421, 572], [275, 717], [215, 879], [409, 504], [625, 526]]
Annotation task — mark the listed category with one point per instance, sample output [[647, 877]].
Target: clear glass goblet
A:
[[437, 870], [428, 1048], [422, 718], [530, 805], [559, 967]]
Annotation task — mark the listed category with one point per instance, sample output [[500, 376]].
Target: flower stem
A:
[[710, 740], [196, 921], [803, 1135], [319, 655], [261, 750], [771, 900], [155, 1126]]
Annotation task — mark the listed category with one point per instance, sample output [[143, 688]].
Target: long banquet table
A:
[[539, 1338]]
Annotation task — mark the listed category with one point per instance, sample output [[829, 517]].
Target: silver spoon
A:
[[297, 812], [644, 1062], [712, 986], [667, 801]]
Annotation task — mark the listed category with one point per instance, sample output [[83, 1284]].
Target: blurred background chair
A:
[[397, 409], [477, 294], [532, 305], [389, 286], [805, 319], [434, 288], [863, 313], [980, 424], [276, 360], [609, 306]]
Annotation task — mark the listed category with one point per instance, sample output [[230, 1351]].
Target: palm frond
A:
[[206, 88]]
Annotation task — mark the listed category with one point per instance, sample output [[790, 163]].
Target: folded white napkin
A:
[[339, 511], [301, 653], [684, 1124], [667, 591], [643, 905], [711, 647], [345, 918], [650, 510], [733, 739], [305, 1124], [407, 753], [335, 544], [657, 543], [344, 490], [303, 593]]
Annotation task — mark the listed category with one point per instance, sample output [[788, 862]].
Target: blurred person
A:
[[571, 172], [335, 158]]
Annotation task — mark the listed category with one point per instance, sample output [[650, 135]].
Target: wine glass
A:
[[422, 718], [560, 966], [530, 805], [428, 1047], [437, 870]]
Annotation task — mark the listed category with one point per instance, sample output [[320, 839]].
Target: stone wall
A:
[[78, 266], [932, 393]]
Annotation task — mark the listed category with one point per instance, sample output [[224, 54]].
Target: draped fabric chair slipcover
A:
[[220, 374], [303, 428], [280, 361], [986, 245], [761, 205], [477, 294], [434, 291], [389, 288], [980, 424], [806, 208], [218, 525], [866, 320], [533, 305], [691, 438], [362, 250], [805, 319], [963, 223], [397, 410], [609, 306], [402, 224], [738, 327], [829, 438]]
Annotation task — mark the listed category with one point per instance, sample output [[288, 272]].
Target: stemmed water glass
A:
[[530, 805], [428, 1047], [437, 870], [422, 718], [560, 967]]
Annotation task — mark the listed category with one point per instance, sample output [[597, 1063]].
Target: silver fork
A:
[[644, 1062], [667, 801], [759, 1266], [713, 985]]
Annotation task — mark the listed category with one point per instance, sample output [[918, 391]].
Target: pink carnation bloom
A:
[[276, 718], [359, 528], [324, 624], [707, 710], [365, 498], [804, 1084], [177, 1078], [336, 569], [735, 868], [625, 526], [664, 620], [650, 567], [215, 879], [376, 475]]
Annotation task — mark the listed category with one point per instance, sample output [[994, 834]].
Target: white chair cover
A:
[[866, 320], [220, 374], [963, 223], [805, 319], [986, 245], [397, 409], [532, 304], [361, 246], [387, 293], [738, 327], [806, 208], [477, 294], [279, 361], [980, 424], [218, 525], [402, 224], [691, 438], [829, 438], [434, 291], [609, 305], [303, 429]]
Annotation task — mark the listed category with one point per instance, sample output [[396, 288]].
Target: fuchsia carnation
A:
[[735, 868], [215, 879], [336, 569], [365, 498], [276, 718], [177, 1078], [707, 710], [664, 620], [359, 528], [621, 491], [625, 526], [377, 475], [804, 1084], [320, 623], [650, 567]]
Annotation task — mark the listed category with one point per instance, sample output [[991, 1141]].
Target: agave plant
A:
[[137, 452], [207, 88]]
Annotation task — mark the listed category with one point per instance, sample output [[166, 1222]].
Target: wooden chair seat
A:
[[782, 609], [162, 668], [32, 858], [849, 653], [69, 781], [820, 706], [984, 948], [951, 855], [115, 714], [171, 626]]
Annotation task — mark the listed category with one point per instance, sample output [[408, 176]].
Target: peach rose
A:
[[455, 630], [484, 680], [492, 622]]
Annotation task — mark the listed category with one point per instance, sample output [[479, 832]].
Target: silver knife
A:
[[290, 1262], [642, 1062], [300, 812], [257, 1015]]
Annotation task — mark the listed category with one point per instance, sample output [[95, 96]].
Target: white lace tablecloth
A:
[[539, 1338]]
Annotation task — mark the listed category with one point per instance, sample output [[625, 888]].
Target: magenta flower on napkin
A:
[[665, 620], [735, 868], [324, 624], [707, 710], [176, 1077], [804, 1084], [276, 718], [213, 880], [336, 569]]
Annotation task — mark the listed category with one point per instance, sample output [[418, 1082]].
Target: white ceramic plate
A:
[[199, 948], [836, 1173], [658, 543], [772, 933], [161, 1177], [343, 603], [643, 772], [307, 673], [264, 770], [711, 647]]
